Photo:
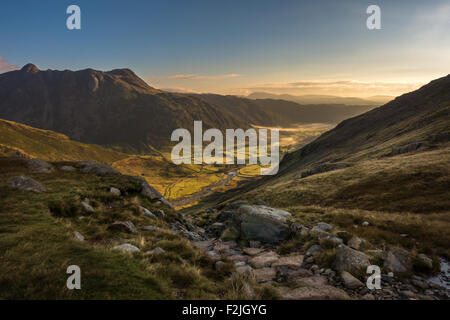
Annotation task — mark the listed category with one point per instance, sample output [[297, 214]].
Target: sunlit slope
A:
[[23, 140]]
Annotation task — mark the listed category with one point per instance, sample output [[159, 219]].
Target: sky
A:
[[238, 46]]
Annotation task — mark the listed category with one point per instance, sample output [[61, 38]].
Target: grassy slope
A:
[[51, 146], [37, 244]]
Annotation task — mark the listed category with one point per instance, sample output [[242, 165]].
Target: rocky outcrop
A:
[[97, 168], [40, 166], [351, 260], [26, 183]]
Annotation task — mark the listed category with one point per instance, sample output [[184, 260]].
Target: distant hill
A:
[[278, 111], [323, 99], [114, 108], [20, 140]]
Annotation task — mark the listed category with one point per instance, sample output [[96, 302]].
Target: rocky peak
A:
[[30, 68]]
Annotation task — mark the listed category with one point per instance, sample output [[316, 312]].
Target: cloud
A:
[[340, 88], [5, 66], [199, 77]]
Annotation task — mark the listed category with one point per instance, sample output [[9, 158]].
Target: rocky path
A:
[[251, 237]]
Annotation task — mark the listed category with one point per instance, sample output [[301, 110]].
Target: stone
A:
[[420, 284], [86, 206], [147, 212], [292, 262], [78, 236], [67, 169], [264, 274], [263, 223], [224, 216], [203, 245], [114, 191], [355, 243], [313, 250], [252, 251], [264, 259], [221, 247], [238, 258], [123, 226], [330, 240], [313, 281], [150, 228], [397, 260], [126, 247], [97, 168], [424, 262], [156, 252], [350, 281], [325, 292], [292, 275], [368, 296], [351, 260], [213, 255], [408, 294], [323, 226], [365, 224], [26, 183], [244, 269], [40, 166]]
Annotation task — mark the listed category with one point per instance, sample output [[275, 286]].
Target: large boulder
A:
[[262, 223], [39, 165], [97, 168], [350, 281], [26, 183], [397, 260], [123, 226], [351, 260]]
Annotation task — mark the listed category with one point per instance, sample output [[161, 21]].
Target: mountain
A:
[[20, 140], [323, 99], [114, 108], [272, 112]]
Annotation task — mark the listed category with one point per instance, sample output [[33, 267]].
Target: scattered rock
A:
[[78, 236], [67, 169], [126, 247], [264, 259], [97, 168], [289, 262], [325, 292], [204, 245], [351, 260], [147, 212], [313, 250], [350, 281], [365, 224], [156, 252], [244, 269], [330, 240], [323, 226], [150, 228], [114, 191], [86, 206], [368, 296], [314, 281], [408, 294], [397, 260], [424, 262], [26, 183], [123, 226], [252, 251], [292, 275], [213, 255], [264, 274], [40, 166], [355, 243]]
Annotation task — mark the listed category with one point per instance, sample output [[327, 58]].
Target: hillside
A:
[[323, 99], [278, 111], [24, 141]]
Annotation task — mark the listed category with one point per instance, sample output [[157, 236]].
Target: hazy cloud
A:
[[199, 77], [5, 66]]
